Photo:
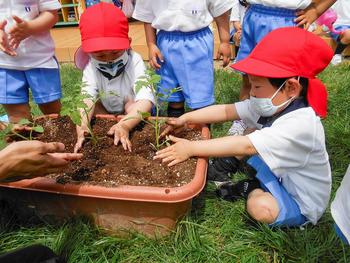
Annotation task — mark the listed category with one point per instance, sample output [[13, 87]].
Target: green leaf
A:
[[24, 122], [38, 128]]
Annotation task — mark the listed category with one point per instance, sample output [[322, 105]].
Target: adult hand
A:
[[155, 56], [176, 153], [4, 41], [18, 32], [306, 17], [174, 125], [121, 134], [81, 133], [224, 51], [34, 158]]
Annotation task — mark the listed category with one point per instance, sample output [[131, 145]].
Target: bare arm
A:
[[219, 147], [154, 54], [223, 24]]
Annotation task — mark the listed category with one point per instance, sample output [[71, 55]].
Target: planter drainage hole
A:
[[167, 191]]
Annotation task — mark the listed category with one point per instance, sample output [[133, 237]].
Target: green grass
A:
[[215, 231]]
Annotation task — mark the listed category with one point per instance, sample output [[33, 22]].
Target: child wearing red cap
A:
[[27, 57], [292, 184], [182, 49], [111, 68]]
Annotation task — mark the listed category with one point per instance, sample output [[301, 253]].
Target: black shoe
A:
[[220, 168], [232, 192]]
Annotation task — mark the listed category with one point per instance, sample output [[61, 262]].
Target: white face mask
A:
[[264, 106], [112, 68]]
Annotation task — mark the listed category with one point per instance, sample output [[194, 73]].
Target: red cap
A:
[[102, 27], [288, 52]]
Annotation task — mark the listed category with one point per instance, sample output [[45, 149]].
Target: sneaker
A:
[[232, 192], [238, 127], [337, 59], [219, 169]]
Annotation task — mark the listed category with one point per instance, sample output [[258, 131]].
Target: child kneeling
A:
[[292, 184], [110, 68]]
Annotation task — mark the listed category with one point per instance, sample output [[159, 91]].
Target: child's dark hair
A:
[[304, 82]]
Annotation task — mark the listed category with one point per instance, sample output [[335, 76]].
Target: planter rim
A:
[[122, 192]]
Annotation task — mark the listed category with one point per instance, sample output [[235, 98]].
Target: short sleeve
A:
[[287, 143], [247, 115], [143, 11], [48, 5], [235, 12], [218, 7], [89, 81]]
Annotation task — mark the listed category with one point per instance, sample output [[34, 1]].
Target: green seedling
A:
[[151, 81], [73, 105]]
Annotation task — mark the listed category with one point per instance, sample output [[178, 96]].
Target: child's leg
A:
[[262, 206], [51, 107], [16, 112]]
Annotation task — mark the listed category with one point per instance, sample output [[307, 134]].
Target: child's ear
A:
[[293, 87]]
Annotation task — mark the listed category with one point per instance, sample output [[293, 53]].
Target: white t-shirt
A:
[[294, 149], [237, 12], [290, 4], [342, 8], [118, 91], [184, 15], [36, 51], [340, 207]]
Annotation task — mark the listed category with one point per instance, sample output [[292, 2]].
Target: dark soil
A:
[[109, 165]]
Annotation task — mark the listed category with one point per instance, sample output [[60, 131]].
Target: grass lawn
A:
[[215, 231]]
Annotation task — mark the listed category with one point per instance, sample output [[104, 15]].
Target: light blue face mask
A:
[[264, 106]]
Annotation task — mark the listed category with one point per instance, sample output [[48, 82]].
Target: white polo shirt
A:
[[294, 149], [184, 15], [340, 207], [290, 4], [118, 91], [342, 8], [36, 51]]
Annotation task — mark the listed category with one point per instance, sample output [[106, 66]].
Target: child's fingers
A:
[[166, 131], [155, 63], [176, 161], [78, 145], [17, 19], [116, 139]]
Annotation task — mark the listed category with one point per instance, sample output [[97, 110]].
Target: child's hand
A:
[[175, 153], [155, 56], [4, 42], [121, 134], [306, 17], [18, 32], [175, 125], [224, 51], [81, 133], [237, 37]]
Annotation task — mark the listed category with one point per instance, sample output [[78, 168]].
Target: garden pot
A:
[[153, 211]]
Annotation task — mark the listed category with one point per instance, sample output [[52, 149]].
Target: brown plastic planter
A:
[[153, 211]]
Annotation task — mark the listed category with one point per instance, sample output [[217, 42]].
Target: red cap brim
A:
[[260, 68], [105, 43]]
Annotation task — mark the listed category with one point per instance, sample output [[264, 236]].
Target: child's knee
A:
[[263, 208], [345, 39]]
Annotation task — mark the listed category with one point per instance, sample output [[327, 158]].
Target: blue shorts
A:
[[340, 234], [260, 20], [44, 83], [289, 214], [188, 64], [339, 28]]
